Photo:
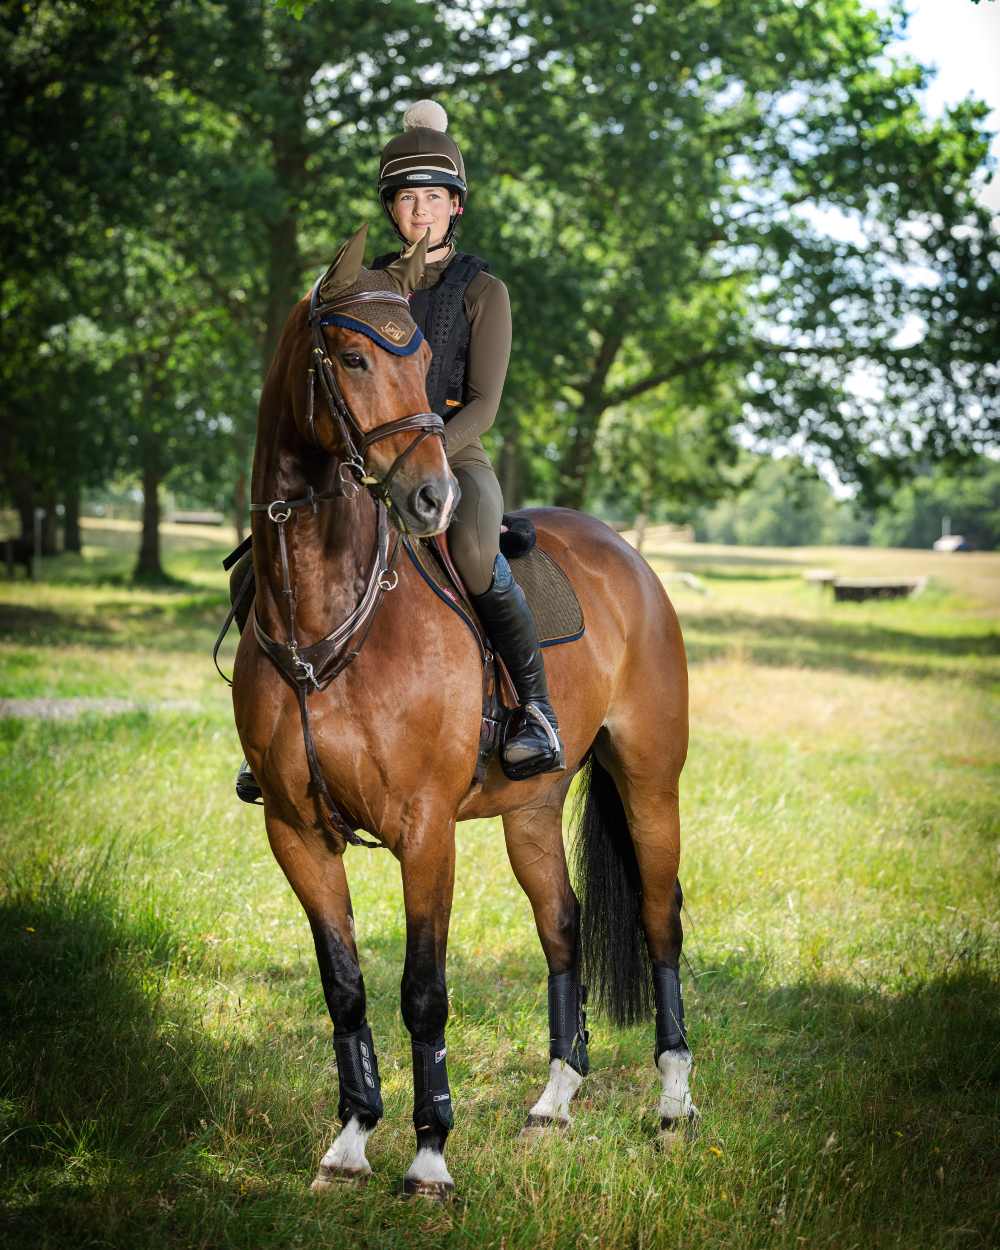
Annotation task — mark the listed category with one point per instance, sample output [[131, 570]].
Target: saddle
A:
[[550, 595], [549, 592]]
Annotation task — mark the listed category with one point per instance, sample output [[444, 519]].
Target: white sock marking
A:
[[675, 1096], [429, 1165], [348, 1149], [564, 1081]]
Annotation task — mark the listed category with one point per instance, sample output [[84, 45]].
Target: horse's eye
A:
[[354, 360]]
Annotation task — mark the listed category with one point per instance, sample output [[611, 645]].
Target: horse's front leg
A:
[[316, 874], [428, 867]]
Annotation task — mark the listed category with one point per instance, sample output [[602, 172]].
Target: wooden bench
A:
[[876, 588]]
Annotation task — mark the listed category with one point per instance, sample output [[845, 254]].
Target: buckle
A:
[[279, 517]]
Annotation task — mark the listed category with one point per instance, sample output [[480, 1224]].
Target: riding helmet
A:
[[422, 156]]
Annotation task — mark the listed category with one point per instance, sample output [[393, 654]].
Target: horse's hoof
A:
[[437, 1191], [536, 1126], [329, 1178], [674, 1132]]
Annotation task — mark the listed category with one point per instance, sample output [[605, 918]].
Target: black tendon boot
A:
[[357, 1068], [531, 743], [568, 1034]]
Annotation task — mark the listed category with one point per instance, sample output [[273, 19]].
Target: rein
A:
[[312, 668]]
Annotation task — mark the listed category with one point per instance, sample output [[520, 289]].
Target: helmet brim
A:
[[426, 177]]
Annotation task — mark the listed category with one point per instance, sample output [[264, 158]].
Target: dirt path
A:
[[68, 709]]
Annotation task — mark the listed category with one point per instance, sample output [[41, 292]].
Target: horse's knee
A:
[[343, 985], [424, 1002]]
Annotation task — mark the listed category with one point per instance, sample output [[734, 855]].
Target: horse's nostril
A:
[[427, 502]]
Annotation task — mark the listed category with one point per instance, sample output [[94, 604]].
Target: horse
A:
[[374, 724]]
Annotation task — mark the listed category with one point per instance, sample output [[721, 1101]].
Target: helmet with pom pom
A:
[[424, 155]]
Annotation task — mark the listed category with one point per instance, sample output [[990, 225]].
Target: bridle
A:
[[311, 668], [356, 441]]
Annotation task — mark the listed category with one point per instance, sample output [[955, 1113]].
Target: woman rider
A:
[[464, 313]]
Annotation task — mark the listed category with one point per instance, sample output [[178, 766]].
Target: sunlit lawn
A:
[[166, 1067]]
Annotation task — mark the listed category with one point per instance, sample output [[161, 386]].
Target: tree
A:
[[967, 495], [784, 504], [654, 189]]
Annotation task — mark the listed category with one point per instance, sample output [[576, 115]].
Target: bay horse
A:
[[390, 745]]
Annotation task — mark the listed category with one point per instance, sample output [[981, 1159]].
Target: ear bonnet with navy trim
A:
[[349, 295], [386, 323]]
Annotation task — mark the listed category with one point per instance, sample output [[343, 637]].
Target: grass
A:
[[165, 1058]]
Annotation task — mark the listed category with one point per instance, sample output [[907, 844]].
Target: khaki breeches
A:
[[474, 533]]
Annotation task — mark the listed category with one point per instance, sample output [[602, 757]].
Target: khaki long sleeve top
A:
[[487, 306]]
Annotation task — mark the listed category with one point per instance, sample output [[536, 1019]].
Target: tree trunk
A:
[[148, 566], [24, 502], [641, 522], [510, 473], [50, 527], [71, 520], [574, 471], [284, 260], [240, 505]]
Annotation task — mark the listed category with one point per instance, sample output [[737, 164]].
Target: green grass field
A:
[[167, 1075]]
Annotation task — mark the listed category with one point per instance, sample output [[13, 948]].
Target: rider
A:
[[464, 313]]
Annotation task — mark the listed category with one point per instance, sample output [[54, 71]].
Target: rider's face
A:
[[416, 208]]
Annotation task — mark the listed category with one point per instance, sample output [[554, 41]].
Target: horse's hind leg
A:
[[535, 847], [645, 765], [316, 874]]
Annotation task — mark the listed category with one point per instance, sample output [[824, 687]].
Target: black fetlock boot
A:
[[247, 788], [531, 743]]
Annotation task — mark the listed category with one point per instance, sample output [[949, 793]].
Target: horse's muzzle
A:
[[428, 508]]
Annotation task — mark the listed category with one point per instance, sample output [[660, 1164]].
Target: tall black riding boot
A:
[[531, 742]]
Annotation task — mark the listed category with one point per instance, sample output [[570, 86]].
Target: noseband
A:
[[356, 441]]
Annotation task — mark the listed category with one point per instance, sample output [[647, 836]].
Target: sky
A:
[[962, 40]]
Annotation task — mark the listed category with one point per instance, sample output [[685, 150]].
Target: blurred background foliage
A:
[[726, 230]]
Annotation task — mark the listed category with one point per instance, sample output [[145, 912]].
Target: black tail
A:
[[615, 960]]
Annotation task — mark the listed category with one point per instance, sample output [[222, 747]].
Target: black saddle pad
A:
[[554, 605]]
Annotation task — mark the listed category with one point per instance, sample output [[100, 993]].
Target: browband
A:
[[362, 327]]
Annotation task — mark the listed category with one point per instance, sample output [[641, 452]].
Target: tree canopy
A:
[[719, 225]]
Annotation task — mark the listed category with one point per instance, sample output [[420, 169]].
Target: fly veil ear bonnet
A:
[[422, 156], [349, 295]]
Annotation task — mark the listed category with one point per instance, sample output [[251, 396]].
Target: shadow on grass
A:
[[113, 1100], [835, 644], [174, 622], [127, 1124]]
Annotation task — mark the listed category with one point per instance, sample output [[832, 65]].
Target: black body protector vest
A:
[[440, 314]]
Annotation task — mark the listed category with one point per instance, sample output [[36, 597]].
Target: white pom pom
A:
[[425, 113]]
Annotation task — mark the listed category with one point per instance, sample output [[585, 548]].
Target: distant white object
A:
[[951, 542], [820, 577], [689, 580]]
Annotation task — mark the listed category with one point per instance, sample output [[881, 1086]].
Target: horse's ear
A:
[[407, 271], [343, 273]]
